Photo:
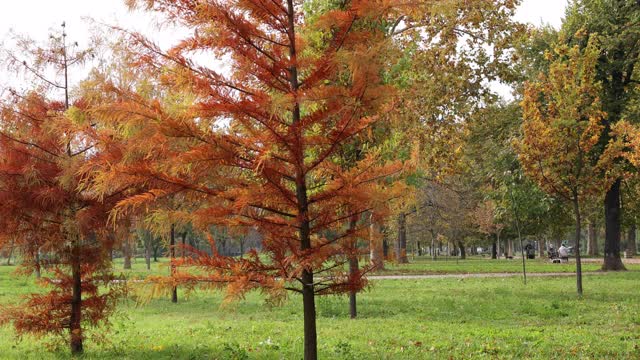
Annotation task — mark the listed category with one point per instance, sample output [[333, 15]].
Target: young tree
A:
[[562, 123], [259, 148], [615, 22], [43, 144]]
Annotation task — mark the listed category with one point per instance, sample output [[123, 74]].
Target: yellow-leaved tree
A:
[[563, 121]]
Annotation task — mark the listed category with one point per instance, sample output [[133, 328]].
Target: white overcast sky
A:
[[37, 18]]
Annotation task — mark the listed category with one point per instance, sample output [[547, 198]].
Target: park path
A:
[[624, 261], [476, 275]]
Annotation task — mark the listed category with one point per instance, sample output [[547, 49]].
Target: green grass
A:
[[398, 319]]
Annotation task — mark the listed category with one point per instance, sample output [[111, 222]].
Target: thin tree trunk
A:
[[36, 260], [147, 248], [75, 321], [126, 250], [353, 268], [433, 245], [463, 252], [172, 252], [631, 241], [509, 248], [13, 241], [376, 251], [401, 242], [309, 304], [499, 247], [494, 249], [612, 215], [308, 289], [184, 243], [304, 232], [592, 242], [156, 250], [541, 248], [576, 209]]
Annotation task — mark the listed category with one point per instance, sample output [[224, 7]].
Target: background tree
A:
[[444, 54], [485, 217], [43, 144]]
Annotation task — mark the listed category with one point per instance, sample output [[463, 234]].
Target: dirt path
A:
[[467, 276], [624, 261]]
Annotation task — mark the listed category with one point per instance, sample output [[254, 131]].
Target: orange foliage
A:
[[259, 147], [57, 226]]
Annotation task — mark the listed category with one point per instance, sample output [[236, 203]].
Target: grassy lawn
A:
[[399, 319]]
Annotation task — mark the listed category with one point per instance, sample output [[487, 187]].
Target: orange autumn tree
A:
[[258, 147], [43, 144], [562, 123], [485, 217]]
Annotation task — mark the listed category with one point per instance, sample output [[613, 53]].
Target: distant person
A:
[[563, 253]]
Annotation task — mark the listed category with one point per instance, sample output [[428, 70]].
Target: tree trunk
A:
[[612, 261], [592, 242], [172, 252], [147, 248], [433, 245], [376, 251], [509, 248], [463, 252], [631, 241], [184, 244], [494, 249], [156, 251], [541, 248], [126, 250], [75, 321], [498, 239], [222, 246], [11, 252], [419, 248], [353, 268], [401, 242], [304, 232], [309, 304], [576, 209], [36, 260], [308, 287]]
